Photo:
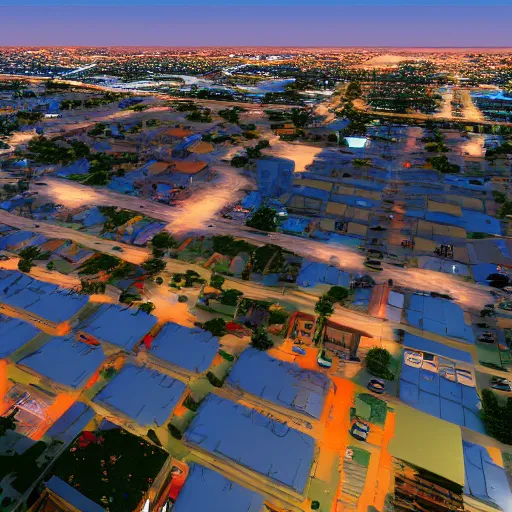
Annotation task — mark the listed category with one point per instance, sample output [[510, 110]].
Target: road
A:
[[194, 213]]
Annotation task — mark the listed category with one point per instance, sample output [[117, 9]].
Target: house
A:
[[274, 176]]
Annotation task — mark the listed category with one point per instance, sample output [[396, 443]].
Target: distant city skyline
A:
[[394, 23]]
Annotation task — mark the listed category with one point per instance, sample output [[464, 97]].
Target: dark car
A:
[[485, 339], [359, 431]]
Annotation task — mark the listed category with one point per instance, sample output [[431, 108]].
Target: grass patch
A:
[[361, 457], [379, 408]]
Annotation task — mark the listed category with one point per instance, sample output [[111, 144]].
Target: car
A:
[[37, 226], [485, 339], [501, 384], [41, 184], [357, 433], [362, 426], [4, 257], [299, 350], [117, 248], [482, 325], [377, 386], [141, 206], [210, 225]]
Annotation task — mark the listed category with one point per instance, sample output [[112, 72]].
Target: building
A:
[[275, 176]]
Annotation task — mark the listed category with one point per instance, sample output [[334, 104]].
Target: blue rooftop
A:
[[118, 325], [440, 316], [65, 361], [280, 382], [72, 496], [45, 300], [253, 440], [312, 273], [205, 489], [143, 394], [433, 347], [485, 480], [14, 334], [192, 349]]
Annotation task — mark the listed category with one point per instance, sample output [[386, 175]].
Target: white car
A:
[[413, 359]]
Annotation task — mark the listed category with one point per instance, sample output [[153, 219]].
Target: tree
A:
[[261, 340], [217, 281], [217, 326], [147, 307], [324, 306], [230, 297], [263, 219], [153, 265], [353, 91], [337, 293], [497, 419], [8, 423], [25, 265], [163, 240], [377, 363]]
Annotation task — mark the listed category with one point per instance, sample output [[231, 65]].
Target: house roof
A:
[[143, 394], [253, 440], [280, 382], [438, 449], [205, 489]]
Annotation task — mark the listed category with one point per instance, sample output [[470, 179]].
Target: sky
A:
[[410, 23]]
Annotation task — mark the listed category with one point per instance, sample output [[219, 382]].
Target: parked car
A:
[[377, 386], [359, 431], [299, 350], [501, 384], [117, 248], [4, 257], [485, 339]]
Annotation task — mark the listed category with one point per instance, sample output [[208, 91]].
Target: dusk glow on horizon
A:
[[432, 23]]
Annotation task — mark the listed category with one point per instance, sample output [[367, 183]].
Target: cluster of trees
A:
[[231, 114], [46, 151], [324, 308], [264, 219], [250, 154], [188, 279], [503, 149], [101, 263], [377, 363], [28, 256], [92, 287], [442, 164], [435, 142], [153, 266], [497, 418], [353, 91], [161, 243]]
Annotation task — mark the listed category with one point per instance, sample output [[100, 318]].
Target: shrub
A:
[[261, 340], [377, 363], [497, 419], [191, 404], [217, 281], [338, 293], [175, 431], [217, 326], [153, 266], [214, 380], [147, 307], [25, 265]]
